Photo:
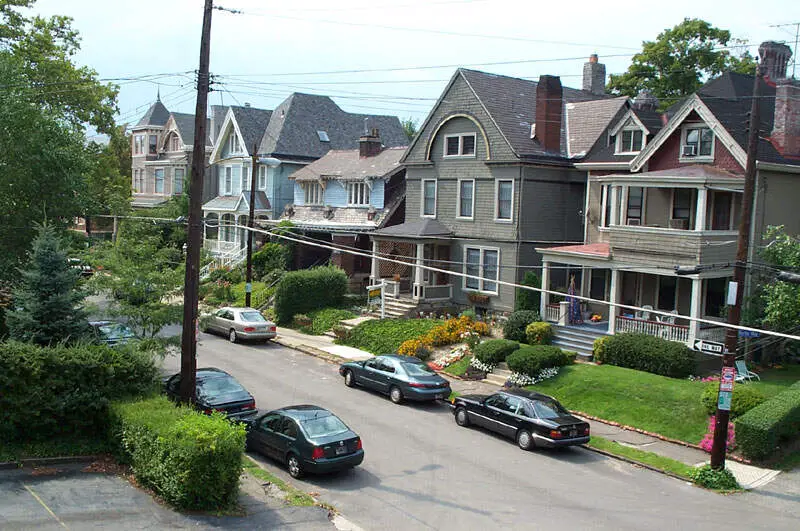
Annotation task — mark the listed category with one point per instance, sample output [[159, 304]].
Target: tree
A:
[[49, 301], [781, 300], [527, 299], [679, 61], [409, 127], [108, 187]]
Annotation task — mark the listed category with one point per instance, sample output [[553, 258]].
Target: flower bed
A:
[[449, 358], [518, 379]]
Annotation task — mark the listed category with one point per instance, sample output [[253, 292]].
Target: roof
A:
[[587, 120], [157, 115], [184, 123], [348, 165], [239, 202], [416, 228], [262, 201], [148, 201], [702, 171], [252, 122], [223, 202]]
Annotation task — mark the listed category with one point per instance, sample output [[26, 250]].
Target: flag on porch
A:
[[575, 316]]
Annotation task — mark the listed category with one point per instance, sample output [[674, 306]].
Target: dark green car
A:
[[400, 377], [309, 439]]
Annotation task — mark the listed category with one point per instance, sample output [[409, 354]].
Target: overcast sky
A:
[[275, 48]]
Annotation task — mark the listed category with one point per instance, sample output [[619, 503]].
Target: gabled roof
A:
[[416, 228], [347, 165], [252, 122], [156, 115], [184, 123], [586, 122], [239, 202]]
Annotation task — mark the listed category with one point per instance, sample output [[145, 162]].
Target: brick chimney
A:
[[369, 144], [549, 101], [774, 59], [594, 76], [786, 127]]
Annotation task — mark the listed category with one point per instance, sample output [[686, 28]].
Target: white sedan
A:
[[239, 323]]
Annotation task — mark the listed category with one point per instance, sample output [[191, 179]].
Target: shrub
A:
[[649, 354], [301, 321], [271, 257], [417, 348], [531, 359], [599, 348], [468, 313], [192, 461], [514, 328], [527, 299], [226, 274], [495, 351], [307, 290], [762, 429], [711, 478], [341, 332], [384, 336], [539, 333], [745, 398]]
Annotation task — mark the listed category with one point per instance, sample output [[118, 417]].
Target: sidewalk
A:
[[320, 346]]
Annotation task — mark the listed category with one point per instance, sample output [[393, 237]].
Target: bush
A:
[[649, 354], [495, 351], [599, 348], [514, 328], [527, 299], [192, 461], [53, 391], [341, 332], [307, 290], [384, 336], [745, 398], [416, 348], [762, 429], [716, 479], [271, 257], [226, 274], [531, 359], [539, 333], [468, 313]]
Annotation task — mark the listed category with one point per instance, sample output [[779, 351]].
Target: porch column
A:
[[612, 297], [374, 273], [614, 193], [696, 308], [544, 300], [417, 292], [623, 205], [702, 205]]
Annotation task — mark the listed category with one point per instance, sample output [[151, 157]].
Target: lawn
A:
[[324, 319], [384, 336], [460, 367]]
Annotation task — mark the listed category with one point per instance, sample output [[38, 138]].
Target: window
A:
[[483, 263], [159, 173], [498, 401], [246, 178], [177, 181], [262, 177], [667, 292], [721, 211], [635, 204], [429, 197], [605, 204], [598, 284], [323, 136], [715, 296], [312, 194], [357, 194], [289, 428], [505, 199], [153, 149], [629, 141], [466, 198], [682, 203], [459, 145], [173, 144], [233, 142], [228, 185], [138, 145], [701, 139]]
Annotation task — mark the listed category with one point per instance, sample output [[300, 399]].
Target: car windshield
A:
[[418, 369], [115, 330], [323, 426], [549, 409], [218, 386], [252, 317]]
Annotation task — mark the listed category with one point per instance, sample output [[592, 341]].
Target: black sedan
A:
[[309, 439], [216, 390], [532, 419], [400, 377]]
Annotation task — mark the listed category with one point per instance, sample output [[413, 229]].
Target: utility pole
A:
[[192, 278], [248, 286], [734, 311]]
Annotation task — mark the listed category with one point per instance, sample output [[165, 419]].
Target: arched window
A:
[[212, 226]]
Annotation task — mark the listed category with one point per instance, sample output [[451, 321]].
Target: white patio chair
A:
[[643, 314], [743, 374]]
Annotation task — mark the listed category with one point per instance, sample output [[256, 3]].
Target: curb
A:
[[636, 463], [48, 461]]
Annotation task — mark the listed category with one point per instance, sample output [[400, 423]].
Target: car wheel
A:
[[349, 379], [462, 418], [395, 394], [232, 336], [525, 440], [294, 466]]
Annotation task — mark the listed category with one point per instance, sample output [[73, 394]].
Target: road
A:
[[422, 471]]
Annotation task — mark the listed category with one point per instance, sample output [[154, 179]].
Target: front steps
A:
[[576, 339], [396, 308]]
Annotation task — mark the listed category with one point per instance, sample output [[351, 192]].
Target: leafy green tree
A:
[[527, 299], [48, 302], [678, 62], [781, 300], [410, 126], [108, 190]]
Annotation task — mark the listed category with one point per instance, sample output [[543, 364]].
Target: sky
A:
[[375, 56]]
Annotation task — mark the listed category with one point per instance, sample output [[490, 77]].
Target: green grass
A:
[[57, 447], [294, 496], [460, 367], [647, 458], [324, 319], [774, 381], [384, 336]]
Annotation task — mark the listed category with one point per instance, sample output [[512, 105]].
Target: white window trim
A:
[[261, 183], [458, 199], [624, 207], [482, 250], [175, 179], [618, 146], [422, 198], [697, 158], [605, 192], [461, 154], [225, 189], [163, 181], [692, 206], [320, 196], [497, 218], [349, 188]]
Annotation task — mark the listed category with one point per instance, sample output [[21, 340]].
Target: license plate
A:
[[573, 433], [341, 450]]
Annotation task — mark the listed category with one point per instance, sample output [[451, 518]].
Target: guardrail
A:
[[552, 313], [668, 331]]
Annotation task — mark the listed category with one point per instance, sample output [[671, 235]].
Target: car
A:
[[309, 439], [215, 390], [401, 377], [112, 333], [239, 323], [532, 419]]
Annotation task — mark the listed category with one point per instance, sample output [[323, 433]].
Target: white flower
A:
[[523, 379], [478, 364]]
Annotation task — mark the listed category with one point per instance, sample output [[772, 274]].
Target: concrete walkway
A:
[[320, 346]]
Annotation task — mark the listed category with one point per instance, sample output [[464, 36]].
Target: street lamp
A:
[[270, 162]]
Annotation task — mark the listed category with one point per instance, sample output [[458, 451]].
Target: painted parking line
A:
[[43, 504]]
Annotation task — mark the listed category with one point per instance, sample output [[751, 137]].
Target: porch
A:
[[226, 217]]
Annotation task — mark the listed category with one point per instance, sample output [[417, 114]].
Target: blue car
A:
[[400, 377]]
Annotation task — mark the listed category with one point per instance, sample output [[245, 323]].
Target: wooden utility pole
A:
[[195, 241], [734, 311], [248, 286]]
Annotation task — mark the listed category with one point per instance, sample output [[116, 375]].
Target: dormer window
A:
[[173, 143], [697, 142], [233, 143], [629, 140], [459, 145]]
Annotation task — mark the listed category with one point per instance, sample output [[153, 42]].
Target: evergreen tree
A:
[[48, 302]]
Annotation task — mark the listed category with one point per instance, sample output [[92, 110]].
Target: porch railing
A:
[[552, 313], [219, 246], [433, 293], [228, 259], [652, 328]]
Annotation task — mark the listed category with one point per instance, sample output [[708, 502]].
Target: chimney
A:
[[547, 129], [786, 126], [774, 59], [369, 144], [594, 76], [645, 101]]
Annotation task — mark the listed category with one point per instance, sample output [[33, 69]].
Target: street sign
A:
[[727, 379], [709, 347], [749, 333], [724, 400]]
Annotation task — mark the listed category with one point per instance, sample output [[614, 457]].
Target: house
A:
[[341, 197], [300, 130], [490, 178], [666, 191]]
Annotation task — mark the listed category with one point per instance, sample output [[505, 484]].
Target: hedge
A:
[[539, 333], [760, 431], [191, 460], [494, 351], [646, 353], [308, 290], [514, 328], [46, 392], [531, 359], [745, 398]]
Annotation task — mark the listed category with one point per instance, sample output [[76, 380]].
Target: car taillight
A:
[[317, 453], [250, 405], [555, 434], [249, 329], [273, 328], [415, 384], [359, 446], [586, 430]]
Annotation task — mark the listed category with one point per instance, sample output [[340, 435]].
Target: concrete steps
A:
[[396, 308], [580, 340], [498, 377], [350, 324]]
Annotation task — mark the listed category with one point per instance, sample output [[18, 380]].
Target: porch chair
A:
[[743, 374], [643, 314]]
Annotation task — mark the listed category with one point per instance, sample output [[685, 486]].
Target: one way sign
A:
[[709, 347]]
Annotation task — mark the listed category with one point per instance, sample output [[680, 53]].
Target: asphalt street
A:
[[422, 471]]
